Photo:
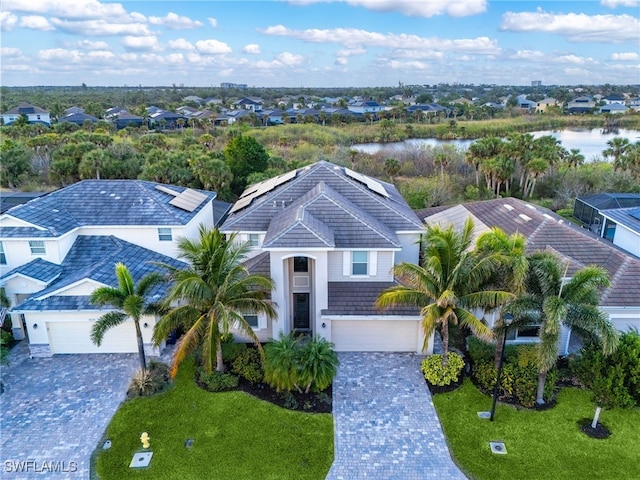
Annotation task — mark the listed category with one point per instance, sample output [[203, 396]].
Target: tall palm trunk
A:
[[219, 361], [143, 361], [498, 351], [542, 378], [445, 343]]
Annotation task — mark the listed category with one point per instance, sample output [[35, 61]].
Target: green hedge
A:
[[437, 374]]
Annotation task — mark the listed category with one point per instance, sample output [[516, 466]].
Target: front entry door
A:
[[301, 320]]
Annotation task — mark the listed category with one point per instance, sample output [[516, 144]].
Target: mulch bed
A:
[[312, 402], [435, 389], [600, 432]]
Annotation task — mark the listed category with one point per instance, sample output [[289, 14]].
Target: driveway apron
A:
[[54, 411], [386, 426]]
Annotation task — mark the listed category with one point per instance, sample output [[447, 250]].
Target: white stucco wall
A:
[[18, 252], [627, 240], [379, 267]]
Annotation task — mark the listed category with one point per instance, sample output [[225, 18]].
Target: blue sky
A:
[[319, 43]]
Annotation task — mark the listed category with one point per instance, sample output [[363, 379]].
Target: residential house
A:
[[58, 248], [124, 119], [186, 110], [583, 104], [545, 103], [251, 104], [634, 104], [574, 246], [365, 106], [167, 120], [621, 226], [614, 108], [587, 209], [11, 199], [328, 237], [614, 98], [78, 118], [34, 115]]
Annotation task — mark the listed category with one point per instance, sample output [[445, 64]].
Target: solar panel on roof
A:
[[240, 204], [371, 184], [355, 175], [188, 200], [168, 190], [635, 213]]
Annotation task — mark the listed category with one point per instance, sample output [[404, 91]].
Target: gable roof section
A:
[[627, 217], [101, 202], [544, 230], [391, 213], [38, 269], [359, 298], [93, 258]]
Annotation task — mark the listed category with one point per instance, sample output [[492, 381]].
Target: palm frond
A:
[[104, 323]]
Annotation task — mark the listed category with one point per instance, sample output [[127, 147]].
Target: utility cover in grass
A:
[[141, 460], [498, 448]]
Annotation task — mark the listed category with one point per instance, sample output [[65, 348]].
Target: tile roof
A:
[[344, 204], [93, 258], [544, 230], [37, 269], [628, 217], [100, 202], [359, 298]]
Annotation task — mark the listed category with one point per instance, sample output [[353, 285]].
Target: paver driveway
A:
[[386, 426], [54, 411]]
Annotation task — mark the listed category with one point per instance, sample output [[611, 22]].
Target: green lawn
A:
[[235, 436], [541, 445]]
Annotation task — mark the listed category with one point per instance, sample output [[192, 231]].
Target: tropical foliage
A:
[[211, 296], [129, 300], [448, 285]]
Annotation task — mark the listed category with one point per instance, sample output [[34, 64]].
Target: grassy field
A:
[[235, 436], [541, 445]]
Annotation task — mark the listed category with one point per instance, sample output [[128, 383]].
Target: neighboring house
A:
[[11, 199], [186, 110], [328, 237], [34, 115], [56, 249], [166, 120], [77, 118], [614, 108], [576, 248], [428, 109], [525, 104], [251, 104], [545, 103], [634, 104], [367, 106], [193, 98], [124, 119], [584, 104], [614, 98], [231, 116], [73, 110], [621, 226], [587, 209]]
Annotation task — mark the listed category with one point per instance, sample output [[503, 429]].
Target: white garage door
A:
[[74, 337], [375, 335], [625, 324]]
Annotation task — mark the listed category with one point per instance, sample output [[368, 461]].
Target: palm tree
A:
[[511, 274], [616, 148], [210, 296], [131, 302], [448, 284], [549, 302]]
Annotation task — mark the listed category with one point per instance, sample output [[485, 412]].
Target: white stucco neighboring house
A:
[[57, 249], [34, 114], [328, 237]]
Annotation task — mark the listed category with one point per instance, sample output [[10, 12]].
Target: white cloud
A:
[[100, 55], [356, 38], [341, 61], [91, 45], [536, 56], [12, 52], [625, 56], [619, 3], [147, 43], [213, 22], [350, 52], [576, 27], [100, 28], [36, 22], [68, 9], [8, 21], [181, 44], [175, 21], [289, 59], [212, 47], [414, 8], [60, 55], [252, 49]]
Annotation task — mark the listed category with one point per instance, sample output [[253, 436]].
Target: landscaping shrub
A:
[[231, 351], [149, 381], [437, 374], [280, 363], [318, 364], [216, 381], [247, 365]]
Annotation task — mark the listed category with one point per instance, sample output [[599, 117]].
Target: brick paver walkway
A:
[[56, 409], [386, 426]]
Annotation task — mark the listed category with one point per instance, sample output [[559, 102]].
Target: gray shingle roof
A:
[[342, 197], [100, 202], [544, 230], [629, 217], [37, 269], [94, 258], [359, 298]]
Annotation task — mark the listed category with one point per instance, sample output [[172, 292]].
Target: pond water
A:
[[590, 142]]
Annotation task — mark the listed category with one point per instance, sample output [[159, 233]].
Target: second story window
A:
[[37, 247], [359, 262], [164, 234], [3, 256], [254, 240], [252, 320]]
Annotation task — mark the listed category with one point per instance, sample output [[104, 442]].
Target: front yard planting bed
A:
[[234, 436], [540, 444]]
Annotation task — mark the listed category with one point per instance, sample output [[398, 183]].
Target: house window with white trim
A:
[[164, 234], [359, 263], [3, 257], [252, 320], [254, 240], [37, 247]]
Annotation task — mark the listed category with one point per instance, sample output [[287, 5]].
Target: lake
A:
[[590, 142]]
